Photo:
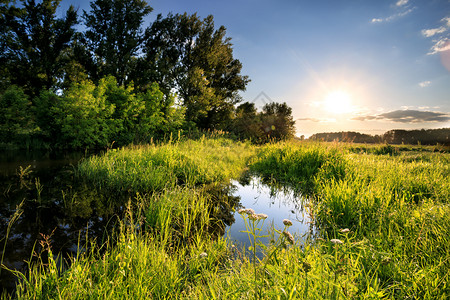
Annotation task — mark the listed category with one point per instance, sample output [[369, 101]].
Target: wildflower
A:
[[247, 211], [386, 260], [253, 217], [203, 254], [345, 230], [262, 216], [289, 237], [336, 241], [287, 222]]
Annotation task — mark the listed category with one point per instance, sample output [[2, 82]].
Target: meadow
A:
[[381, 213]]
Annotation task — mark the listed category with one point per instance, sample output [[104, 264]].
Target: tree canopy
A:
[[187, 54], [114, 37], [35, 44], [105, 77]]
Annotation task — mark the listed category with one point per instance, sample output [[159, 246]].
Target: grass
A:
[[158, 167], [382, 213]]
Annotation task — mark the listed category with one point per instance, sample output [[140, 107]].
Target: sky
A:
[[341, 65]]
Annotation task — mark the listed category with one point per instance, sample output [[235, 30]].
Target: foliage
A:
[[178, 73], [274, 123], [96, 116], [411, 137], [114, 37], [247, 123], [35, 44], [15, 114], [383, 228], [185, 53], [157, 167], [85, 117], [277, 121]]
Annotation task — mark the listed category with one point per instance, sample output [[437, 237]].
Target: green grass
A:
[[393, 201], [158, 167]]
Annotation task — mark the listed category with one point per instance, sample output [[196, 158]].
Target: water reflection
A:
[[277, 203], [50, 201]]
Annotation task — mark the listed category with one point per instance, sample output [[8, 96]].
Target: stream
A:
[[40, 199]]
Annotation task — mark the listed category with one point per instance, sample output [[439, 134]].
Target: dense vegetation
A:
[[381, 212], [396, 136], [118, 82], [382, 219]]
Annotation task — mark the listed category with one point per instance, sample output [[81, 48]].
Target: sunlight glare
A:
[[338, 102]]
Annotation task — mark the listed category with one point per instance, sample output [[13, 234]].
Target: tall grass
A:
[[158, 167], [383, 218], [296, 166], [397, 202]]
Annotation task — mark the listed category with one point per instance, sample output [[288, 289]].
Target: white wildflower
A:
[[336, 241], [287, 222]]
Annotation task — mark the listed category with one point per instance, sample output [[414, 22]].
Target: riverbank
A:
[[382, 218]]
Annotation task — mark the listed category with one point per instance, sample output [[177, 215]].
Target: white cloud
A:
[[393, 17], [318, 120], [402, 2], [441, 40], [446, 20], [440, 46], [424, 83], [434, 31]]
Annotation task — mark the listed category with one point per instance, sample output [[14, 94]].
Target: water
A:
[[52, 203], [277, 204], [55, 204]]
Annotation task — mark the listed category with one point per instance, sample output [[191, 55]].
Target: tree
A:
[[247, 123], [114, 37], [186, 54], [15, 114], [277, 121], [5, 36], [36, 42], [85, 117]]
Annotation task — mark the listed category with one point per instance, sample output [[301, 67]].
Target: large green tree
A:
[[35, 43], [113, 37], [187, 54], [277, 121]]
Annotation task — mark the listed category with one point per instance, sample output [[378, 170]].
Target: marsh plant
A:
[[254, 224], [383, 226]]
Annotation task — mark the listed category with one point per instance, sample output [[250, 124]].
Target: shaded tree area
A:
[[346, 136], [274, 122], [423, 136], [397, 136], [118, 82], [35, 44], [114, 81]]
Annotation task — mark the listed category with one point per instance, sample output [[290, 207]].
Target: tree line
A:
[[396, 136], [116, 81]]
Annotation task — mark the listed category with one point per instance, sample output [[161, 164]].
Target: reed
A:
[[383, 220]]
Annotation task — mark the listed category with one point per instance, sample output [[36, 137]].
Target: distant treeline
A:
[[396, 136], [112, 80]]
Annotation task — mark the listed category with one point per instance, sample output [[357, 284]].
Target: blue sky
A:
[[361, 65]]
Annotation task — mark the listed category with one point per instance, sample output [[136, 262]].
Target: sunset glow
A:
[[338, 102]]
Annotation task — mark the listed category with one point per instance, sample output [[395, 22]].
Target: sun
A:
[[338, 102]]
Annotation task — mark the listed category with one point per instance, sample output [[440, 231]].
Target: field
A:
[[382, 214]]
